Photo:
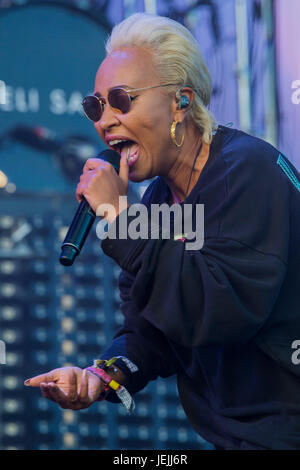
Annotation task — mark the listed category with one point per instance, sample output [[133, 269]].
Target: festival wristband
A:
[[110, 383]]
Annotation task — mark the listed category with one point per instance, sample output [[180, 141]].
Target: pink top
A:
[[176, 199]]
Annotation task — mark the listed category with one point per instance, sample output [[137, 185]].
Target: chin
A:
[[136, 178], [138, 175], [140, 172]]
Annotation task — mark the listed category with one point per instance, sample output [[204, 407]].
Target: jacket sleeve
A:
[[221, 294], [146, 348]]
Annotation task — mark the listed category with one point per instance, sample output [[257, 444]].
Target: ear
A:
[[179, 114]]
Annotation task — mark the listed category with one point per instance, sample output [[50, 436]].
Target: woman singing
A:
[[225, 317]]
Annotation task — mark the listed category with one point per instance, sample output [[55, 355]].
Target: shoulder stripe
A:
[[288, 171]]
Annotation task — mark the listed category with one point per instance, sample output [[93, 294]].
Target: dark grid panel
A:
[[52, 316]]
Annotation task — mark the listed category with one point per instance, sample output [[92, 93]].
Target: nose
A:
[[108, 119]]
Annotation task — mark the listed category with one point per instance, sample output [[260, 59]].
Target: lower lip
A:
[[133, 158]]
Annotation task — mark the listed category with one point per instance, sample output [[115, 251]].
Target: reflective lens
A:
[[118, 99], [92, 108]]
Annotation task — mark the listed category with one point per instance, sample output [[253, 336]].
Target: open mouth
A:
[[126, 147]]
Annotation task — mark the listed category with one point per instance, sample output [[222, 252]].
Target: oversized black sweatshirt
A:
[[224, 318]]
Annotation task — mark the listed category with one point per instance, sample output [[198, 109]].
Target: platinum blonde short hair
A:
[[177, 58]]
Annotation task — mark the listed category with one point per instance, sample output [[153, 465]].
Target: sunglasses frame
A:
[[102, 100]]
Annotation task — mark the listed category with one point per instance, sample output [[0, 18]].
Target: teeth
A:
[[115, 142]]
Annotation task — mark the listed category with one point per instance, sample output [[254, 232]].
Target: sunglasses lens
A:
[[92, 108], [119, 99]]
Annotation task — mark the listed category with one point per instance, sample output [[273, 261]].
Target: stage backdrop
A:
[[49, 57], [287, 15]]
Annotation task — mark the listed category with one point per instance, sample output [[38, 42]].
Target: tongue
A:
[[129, 149]]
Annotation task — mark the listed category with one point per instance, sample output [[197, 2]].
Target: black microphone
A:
[[83, 219]]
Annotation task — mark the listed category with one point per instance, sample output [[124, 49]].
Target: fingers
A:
[[83, 393], [92, 164], [87, 177], [83, 184], [99, 183], [124, 171], [71, 400], [52, 392], [72, 394], [38, 379]]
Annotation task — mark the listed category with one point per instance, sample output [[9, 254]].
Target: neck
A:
[[182, 170]]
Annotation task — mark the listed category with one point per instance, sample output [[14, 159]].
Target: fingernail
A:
[[27, 382]]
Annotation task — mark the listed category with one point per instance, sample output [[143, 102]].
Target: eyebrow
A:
[[97, 93]]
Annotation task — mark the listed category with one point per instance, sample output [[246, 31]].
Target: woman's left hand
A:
[[70, 387], [100, 184]]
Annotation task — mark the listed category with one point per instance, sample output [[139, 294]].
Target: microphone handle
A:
[[77, 233], [84, 218]]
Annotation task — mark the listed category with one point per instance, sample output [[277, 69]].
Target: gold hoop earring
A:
[[173, 136]]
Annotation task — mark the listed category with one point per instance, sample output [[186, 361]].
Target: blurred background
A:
[[50, 315]]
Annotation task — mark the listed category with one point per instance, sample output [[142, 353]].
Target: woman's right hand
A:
[[70, 387]]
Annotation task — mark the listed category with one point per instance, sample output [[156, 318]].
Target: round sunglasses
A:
[[118, 98]]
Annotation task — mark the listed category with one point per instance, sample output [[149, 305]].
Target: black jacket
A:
[[224, 318]]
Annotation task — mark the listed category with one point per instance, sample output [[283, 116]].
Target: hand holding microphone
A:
[[103, 180], [100, 183]]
